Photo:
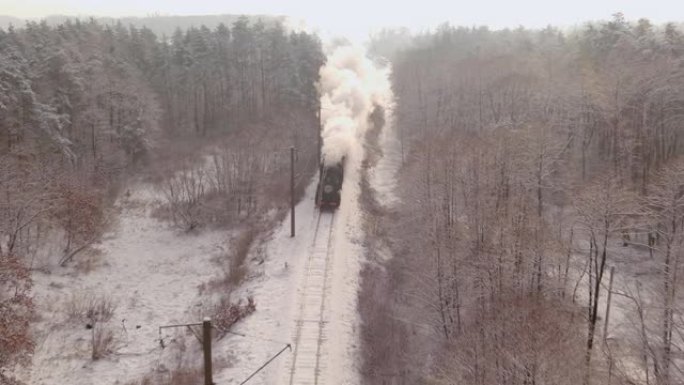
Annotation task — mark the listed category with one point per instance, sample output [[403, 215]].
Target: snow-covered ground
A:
[[151, 273]]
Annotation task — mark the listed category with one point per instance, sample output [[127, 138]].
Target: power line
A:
[[251, 337], [267, 362]]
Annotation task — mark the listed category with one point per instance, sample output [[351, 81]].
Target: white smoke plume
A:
[[351, 86]]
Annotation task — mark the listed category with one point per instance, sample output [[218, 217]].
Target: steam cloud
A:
[[351, 87]]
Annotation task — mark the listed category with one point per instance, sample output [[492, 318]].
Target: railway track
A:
[[310, 329]]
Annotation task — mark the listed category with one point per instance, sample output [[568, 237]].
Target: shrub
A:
[[227, 314], [102, 341], [16, 309], [240, 252], [90, 308]]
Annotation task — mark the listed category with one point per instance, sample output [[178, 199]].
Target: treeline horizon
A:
[[161, 25], [387, 42]]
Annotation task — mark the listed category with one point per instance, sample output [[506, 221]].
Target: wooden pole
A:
[[206, 345], [292, 188], [610, 294]]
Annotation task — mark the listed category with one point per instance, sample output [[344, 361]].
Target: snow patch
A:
[[151, 272]]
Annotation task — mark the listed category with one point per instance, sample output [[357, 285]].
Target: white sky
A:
[[354, 18]]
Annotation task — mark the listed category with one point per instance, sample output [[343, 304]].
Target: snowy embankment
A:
[[150, 272]]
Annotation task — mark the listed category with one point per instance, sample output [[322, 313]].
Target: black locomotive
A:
[[329, 187]]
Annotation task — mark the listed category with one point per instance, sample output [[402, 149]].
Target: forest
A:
[[534, 164], [536, 235], [86, 106]]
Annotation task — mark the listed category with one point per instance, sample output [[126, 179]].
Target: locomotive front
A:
[[328, 192]]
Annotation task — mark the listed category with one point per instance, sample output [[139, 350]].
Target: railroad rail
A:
[[310, 331]]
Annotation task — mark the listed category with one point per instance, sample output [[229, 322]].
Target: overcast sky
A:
[[354, 18]]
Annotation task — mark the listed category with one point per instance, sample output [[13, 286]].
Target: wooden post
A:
[[292, 188], [610, 294], [206, 346]]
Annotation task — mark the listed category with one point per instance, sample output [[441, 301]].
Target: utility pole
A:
[[292, 188], [205, 340], [206, 346]]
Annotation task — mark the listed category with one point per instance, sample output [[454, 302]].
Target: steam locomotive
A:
[[328, 192]]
